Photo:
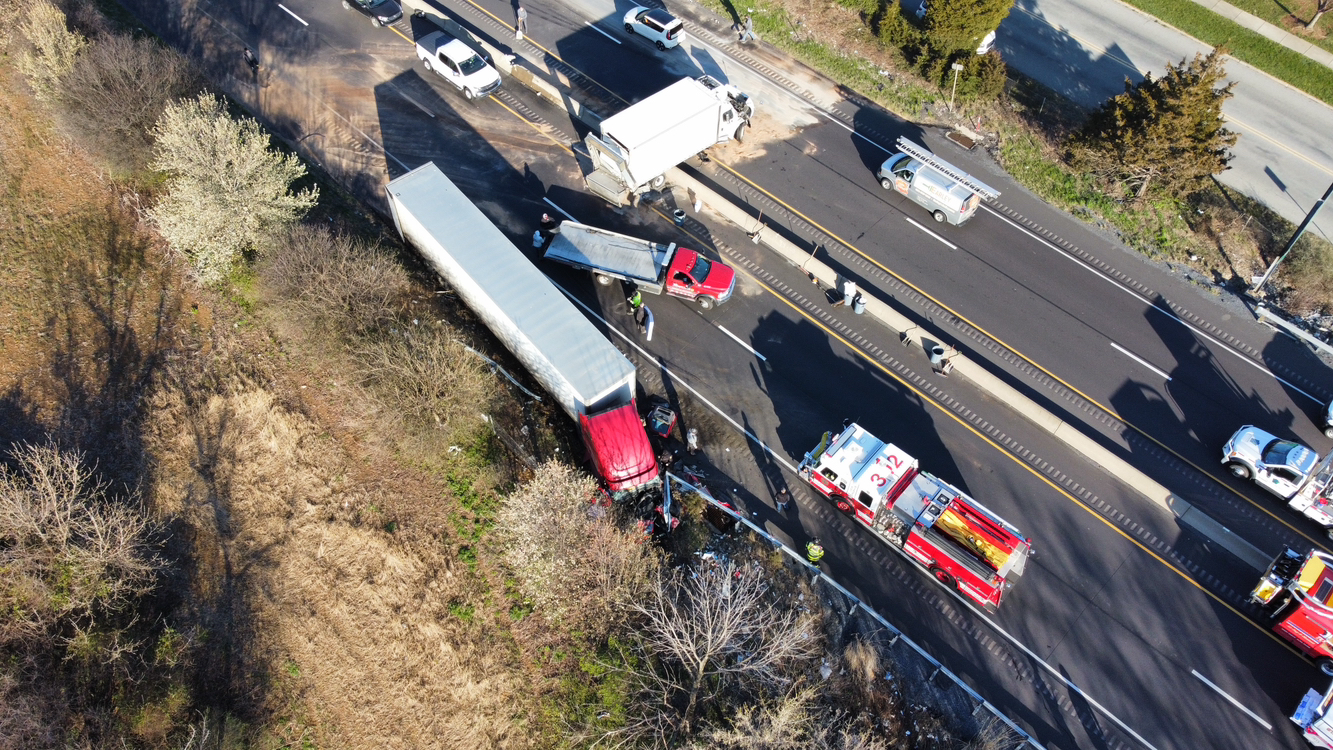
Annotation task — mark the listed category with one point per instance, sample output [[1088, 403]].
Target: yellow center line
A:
[[927, 399]]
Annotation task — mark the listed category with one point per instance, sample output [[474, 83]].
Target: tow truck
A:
[[1285, 468], [960, 542], [1297, 592]]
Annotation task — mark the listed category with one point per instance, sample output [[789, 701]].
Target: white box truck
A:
[[588, 377], [639, 144]]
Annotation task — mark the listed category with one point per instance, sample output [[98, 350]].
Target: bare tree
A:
[[571, 560], [335, 280], [228, 191], [426, 377], [115, 93], [706, 629], [69, 553], [53, 48]]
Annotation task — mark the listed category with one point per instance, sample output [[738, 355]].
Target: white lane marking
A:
[[1234, 702], [783, 460], [551, 203], [1139, 359], [1225, 346], [932, 234], [293, 15], [593, 26], [737, 339]]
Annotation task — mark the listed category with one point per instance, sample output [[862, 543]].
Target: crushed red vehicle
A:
[[959, 541]]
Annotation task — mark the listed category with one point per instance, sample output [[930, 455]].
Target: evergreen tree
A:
[[1165, 133], [959, 25]]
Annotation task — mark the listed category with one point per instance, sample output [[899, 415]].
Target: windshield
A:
[[701, 269], [472, 65], [1276, 453]]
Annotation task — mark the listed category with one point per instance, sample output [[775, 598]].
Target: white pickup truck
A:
[[458, 64], [1285, 468]]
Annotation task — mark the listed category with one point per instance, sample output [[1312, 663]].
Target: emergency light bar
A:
[[943, 167]]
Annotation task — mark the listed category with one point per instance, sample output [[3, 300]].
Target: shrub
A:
[[53, 49]]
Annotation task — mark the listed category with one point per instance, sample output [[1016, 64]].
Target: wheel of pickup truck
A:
[[705, 302], [939, 216], [376, 22], [603, 279], [347, 4], [844, 505], [886, 183], [1325, 665], [944, 576], [426, 61], [1328, 432], [469, 94], [1238, 470], [740, 132], [657, 182]]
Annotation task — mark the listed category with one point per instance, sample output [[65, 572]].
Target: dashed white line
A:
[[738, 340], [293, 15], [1140, 360], [932, 234], [593, 26], [1234, 702]]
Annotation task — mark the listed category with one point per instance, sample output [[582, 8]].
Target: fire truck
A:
[[1314, 716], [960, 542], [1297, 592]]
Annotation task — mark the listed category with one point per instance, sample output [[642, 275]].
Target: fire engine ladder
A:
[[943, 167]]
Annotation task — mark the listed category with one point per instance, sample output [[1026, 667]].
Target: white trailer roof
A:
[[521, 306], [647, 119]]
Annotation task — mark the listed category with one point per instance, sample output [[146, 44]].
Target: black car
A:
[[381, 12]]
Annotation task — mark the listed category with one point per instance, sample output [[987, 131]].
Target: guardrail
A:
[[856, 602]]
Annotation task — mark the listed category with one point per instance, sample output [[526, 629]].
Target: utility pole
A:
[[1259, 285], [957, 68]]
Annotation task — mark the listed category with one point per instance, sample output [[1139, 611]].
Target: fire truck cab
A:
[[960, 542], [1297, 592]]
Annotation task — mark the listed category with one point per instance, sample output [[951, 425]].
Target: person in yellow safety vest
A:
[[813, 551], [635, 302]]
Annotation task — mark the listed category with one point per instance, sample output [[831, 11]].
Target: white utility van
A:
[[949, 193]]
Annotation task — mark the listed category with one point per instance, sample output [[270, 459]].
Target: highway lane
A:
[[1009, 281], [954, 453], [1085, 49]]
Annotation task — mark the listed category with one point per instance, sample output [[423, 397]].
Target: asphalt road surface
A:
[[1120, 599]]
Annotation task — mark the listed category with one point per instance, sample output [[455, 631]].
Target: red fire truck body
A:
[[954, 537], [1297, 591]]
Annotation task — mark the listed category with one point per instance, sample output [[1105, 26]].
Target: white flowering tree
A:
[[53, 47], [228, 192]]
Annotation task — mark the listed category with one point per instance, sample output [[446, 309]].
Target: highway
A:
[[1142, 614]]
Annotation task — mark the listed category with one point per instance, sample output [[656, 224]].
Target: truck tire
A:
[[944, 576], [1325, 665], [376, 22], [603, 279], [740, 132], [657, 182], [347, 5], [1239, 470], [705, 302], [886, 183], [844, 505], [939, 216], [468, 94], [426, 61], [1328, 432]]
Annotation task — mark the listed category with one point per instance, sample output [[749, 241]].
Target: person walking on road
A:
[[520, 22], [645, 320], [747, 29], [814, 552], [251, 61], [784, 499]]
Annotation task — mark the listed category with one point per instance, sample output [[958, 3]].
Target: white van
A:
[[949, 193]]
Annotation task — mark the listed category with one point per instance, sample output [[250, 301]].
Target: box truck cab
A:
[[949, 193]]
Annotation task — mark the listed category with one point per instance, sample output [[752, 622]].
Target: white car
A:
[[1279, 466], [458, 64], [654, 24]]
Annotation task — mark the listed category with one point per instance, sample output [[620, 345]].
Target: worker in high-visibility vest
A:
[[813, 551]]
